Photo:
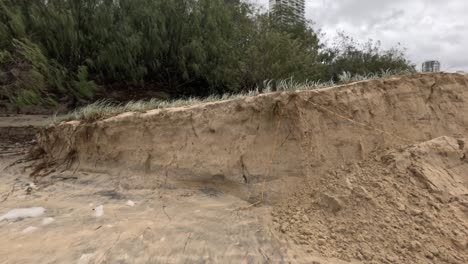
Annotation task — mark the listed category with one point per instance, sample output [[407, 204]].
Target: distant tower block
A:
[[297, 6], [431, 66]]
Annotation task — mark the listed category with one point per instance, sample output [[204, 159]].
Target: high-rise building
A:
[[296, 6], [431, 66]]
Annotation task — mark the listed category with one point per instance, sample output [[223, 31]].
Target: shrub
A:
[[61, 50]]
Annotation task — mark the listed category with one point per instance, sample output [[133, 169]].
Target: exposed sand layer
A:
[[408, 205], [273, 137], [371, 172]]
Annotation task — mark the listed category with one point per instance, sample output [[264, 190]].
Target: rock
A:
[[305, 219]]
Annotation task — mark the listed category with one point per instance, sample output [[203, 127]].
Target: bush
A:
[[61, 50], [355, 58]]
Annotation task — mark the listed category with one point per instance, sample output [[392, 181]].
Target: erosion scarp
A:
[[271, 137], [370, 172]]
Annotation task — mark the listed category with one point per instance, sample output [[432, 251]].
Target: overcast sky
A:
[[428, 29]]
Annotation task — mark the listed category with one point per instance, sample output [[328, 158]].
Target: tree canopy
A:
[[63, 50]]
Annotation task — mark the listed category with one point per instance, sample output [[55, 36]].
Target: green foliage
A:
[[349, 56], [83, 88], [279, 51], [26, 73], [62, 50]]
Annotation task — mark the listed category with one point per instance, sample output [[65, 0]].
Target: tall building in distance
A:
[[431, 66], [296, 6]]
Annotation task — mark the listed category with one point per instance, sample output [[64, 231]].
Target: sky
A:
[[428, 29]]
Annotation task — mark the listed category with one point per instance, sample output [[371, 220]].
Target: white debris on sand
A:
[[86, 258], [47, 220], [23, 213], [130, 203], [99, 211], [29, 229]]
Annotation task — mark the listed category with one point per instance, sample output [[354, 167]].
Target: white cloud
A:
[[429, 29]]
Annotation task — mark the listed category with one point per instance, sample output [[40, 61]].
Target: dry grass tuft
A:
[[104, 109]]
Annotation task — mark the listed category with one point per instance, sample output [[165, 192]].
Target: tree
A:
[[347, 55], [62, 50]]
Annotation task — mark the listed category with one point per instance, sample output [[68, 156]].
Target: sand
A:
[[406, 205], [370, 172]]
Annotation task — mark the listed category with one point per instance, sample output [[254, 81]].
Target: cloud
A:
[[429, 29]]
